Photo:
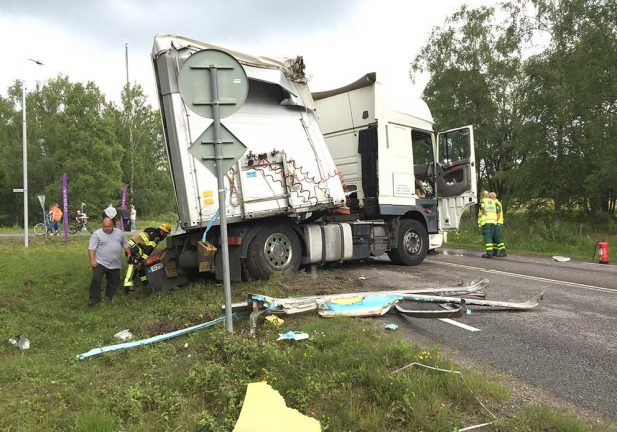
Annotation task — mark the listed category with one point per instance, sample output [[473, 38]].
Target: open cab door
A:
[[455, 176]]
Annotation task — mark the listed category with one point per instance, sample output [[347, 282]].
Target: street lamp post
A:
[[25, 154]]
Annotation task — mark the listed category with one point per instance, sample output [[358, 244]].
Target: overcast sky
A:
[[340, 39]]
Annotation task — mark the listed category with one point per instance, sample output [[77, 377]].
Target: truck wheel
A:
[[411, 244], [274, 249]]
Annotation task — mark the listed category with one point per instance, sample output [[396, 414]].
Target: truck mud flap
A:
[[158, 280]]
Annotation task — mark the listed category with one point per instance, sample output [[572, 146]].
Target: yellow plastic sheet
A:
[[347, 300], [264, 410]]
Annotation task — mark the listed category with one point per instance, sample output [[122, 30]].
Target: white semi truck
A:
[[331, 176]]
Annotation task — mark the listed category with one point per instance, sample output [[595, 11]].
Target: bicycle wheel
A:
[[40, 229], [74, 228], [89, 229]]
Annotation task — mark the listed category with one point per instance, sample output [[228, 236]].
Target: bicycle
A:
[[44, 227], [80, 224]]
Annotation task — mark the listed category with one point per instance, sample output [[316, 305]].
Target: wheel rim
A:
[[412, 242], [40, 229], [277, 251]]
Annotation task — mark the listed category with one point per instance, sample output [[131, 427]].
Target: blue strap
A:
[[133, 344], [210, 223]]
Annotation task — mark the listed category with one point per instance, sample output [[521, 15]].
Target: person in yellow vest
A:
[[142, 245], [487, 219], [499, 247]]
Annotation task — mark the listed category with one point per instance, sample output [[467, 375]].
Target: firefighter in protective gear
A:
[[499, 247], [487, 220], [142, 245]]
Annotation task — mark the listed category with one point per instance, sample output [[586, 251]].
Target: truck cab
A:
[[392, 161]]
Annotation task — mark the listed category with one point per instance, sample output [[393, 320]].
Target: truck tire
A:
[[274, 249], [411, 243]]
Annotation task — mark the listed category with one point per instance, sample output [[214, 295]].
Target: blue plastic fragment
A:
[[293, 335], [368, 302]]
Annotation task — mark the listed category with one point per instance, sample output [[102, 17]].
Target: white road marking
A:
[[458, 324], [522, 276]]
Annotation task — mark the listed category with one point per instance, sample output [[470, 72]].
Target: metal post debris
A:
[[466, 385], [127, 345]]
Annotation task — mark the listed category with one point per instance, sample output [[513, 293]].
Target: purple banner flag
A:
[[123, 206], [65, 206]]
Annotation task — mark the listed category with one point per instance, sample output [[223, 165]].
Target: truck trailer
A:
[[326, 177]]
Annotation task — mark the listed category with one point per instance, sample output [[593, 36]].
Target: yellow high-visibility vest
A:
[[490, 211], [500, 214]]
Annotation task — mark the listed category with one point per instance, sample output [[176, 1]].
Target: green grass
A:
[[341, 375], [528, 235]]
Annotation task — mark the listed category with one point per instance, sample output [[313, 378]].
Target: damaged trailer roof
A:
[[168, 42]]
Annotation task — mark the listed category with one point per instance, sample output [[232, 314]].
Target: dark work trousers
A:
[[113, 281]]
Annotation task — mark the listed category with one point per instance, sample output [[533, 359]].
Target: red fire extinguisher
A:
[[602, 252]]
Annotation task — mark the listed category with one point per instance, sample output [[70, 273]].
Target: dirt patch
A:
[[161, 327], [330, 281]]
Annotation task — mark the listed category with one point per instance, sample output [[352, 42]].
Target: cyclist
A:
[[81, 219]]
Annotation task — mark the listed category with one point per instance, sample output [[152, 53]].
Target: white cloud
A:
[[340, 40]]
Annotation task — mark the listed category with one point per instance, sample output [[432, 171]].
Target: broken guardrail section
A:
[[377, 303]]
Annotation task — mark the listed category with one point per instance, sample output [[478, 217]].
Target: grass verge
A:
[[342, 375], [524, 234]]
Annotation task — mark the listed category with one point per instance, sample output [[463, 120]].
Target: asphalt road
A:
[[567, 347]]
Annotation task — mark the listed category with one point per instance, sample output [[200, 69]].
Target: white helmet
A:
[[111, 212]]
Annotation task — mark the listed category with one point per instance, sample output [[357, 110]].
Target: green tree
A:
[[570, 106], [11, 174], [69, 130], [474, 62], [145, 166]]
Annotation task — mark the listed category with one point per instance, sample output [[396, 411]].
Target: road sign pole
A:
[[198, 74], [218, 154]]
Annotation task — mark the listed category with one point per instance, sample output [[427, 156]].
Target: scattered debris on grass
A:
[[293, 335], [460, 375], [274, 321], [20, 341], [127, 345], [124, 335]]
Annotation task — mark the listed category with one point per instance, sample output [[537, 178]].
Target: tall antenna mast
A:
[[131, 145], [126, 58]]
